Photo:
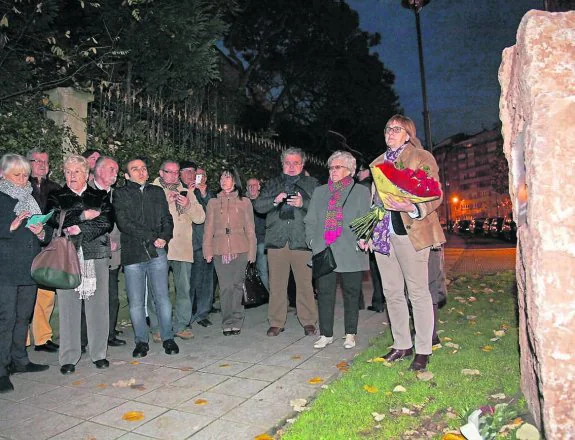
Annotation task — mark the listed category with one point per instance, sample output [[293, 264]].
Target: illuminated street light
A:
[[416, 6]]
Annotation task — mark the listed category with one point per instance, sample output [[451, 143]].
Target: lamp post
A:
[[416, 6]]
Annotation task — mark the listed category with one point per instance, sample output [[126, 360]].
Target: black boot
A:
[[434, 338]]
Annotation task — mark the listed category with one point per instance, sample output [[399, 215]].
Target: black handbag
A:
[[255, 293], [323, 262]]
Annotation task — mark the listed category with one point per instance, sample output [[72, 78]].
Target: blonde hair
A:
[[76, 159], [409, 126]]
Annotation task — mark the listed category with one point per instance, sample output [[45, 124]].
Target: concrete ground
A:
[[218, 387]]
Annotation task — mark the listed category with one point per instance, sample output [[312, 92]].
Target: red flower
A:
[[415, 182]]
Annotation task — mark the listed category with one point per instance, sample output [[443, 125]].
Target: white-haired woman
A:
[[19, 244], [88, 220], [331, 210]]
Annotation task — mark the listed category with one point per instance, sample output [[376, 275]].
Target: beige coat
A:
[[424, 231], [235, 215], [180, 246]]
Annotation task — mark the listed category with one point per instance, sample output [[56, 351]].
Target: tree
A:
[[307, 67]]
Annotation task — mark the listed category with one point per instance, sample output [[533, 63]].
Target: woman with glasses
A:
[[401, 242], [331, 210], [230, 240]]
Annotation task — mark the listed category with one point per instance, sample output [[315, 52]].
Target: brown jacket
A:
[[424, 231], [227, 211], [180, 247]]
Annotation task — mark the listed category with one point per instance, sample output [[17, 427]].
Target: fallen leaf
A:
[[124, 383], [343, 365], [378, 360], [370, 389], [472, 323], [499, 333], [407, 411], [446, 339], [451, 436], [488, 290], [224, 365], [454, 351], [138, 386], [135, 363], [498, 396], [263, 437], [399, 389], [424, 376], [494, 339], [491, 300], [201, 402], [298, 402], [451, 345], [295, 357], [469, 372], [133, 416], [377, 416], [440, 331], [487, 348], [527, 432], [477, 333], [471, 317], [436, 347], [77, 382], [388, 393], [315, 380], [102, 386], [471, 299]]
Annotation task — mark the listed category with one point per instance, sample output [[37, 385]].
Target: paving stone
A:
[[90, 431], [264, 372], [284, 392], [198, 381], [289, 358], [252, 354], [194, 362], [168, 396], [88, 406], [226, 367], [221, 429], [217, 404], [114, 416], [42, 426], [133, 436], [173, 425], [12, 413], [23, 389], [238, 386], [56, 397], [259, 413]]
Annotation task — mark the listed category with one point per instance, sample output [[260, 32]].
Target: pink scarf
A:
[[334, 216]]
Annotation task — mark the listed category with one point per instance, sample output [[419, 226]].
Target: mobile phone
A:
[[199, 178], [183, 193], [291, 195]]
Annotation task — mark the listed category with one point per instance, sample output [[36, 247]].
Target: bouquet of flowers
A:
[[400, 183]]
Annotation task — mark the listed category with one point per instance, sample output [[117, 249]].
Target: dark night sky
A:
[[462, 44]]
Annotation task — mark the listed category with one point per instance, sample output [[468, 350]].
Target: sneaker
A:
[[323, 342], [156, 338], [185, 334], [349, 341]]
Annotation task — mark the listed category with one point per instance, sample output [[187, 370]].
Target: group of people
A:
[[176, 223]]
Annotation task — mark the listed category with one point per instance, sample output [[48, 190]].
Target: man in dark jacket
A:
[[42, 186], [285, 201], [144, 219], [254, 189]]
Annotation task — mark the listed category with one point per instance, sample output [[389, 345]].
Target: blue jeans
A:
[[262, 264], [202, 286], [156, 270]]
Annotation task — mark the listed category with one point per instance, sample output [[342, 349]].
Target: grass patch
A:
[[478, 306]]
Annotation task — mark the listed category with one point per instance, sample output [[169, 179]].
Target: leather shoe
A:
[[205, 322], [102, 363], [274, 331], [236, 331], [67, 369], [309, 330], [214, 310], [436, 340], [170, 347], [397, 355], [5, 384], [227, 332], [118, 332], [115, 342], [49, 347], [141, 350], [375, 309], [28, 368], [419, 362]]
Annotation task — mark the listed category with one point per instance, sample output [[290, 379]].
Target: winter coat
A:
[[41, 189]]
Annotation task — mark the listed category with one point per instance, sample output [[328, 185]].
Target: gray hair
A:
[[76, 159], [348, 160], [33, 151], [101, 161], [11, 160], [166, 162], [293, 151]]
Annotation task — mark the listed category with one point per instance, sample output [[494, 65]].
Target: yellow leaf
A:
[[388, 393], [315, 380], [78, 382], [517, 421], [133, 416], [135, 363], [263, 437], [224, 365], [201, 402], [452, 437], [487, 348], [377, 360], [296, 357], [370, 389], [446, 339], [399, 389], [343, 365], [436, 347]]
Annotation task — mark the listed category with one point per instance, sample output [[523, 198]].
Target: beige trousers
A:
[[406, 266], [279, 263], [41, 329]]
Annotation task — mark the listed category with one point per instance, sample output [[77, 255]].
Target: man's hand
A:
[[208, 258], [73, 230], [160, 243], [113, 246], [280, 198], [18, 220], [296, 201], [402, 206], [182, 201], [91, 214]]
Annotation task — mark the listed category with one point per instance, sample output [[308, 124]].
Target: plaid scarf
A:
[[334, 216], [380, 237], [172, 187]]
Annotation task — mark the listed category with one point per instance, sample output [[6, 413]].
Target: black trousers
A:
[[16, 308], [351, 285], [114, 306], [377, 300]]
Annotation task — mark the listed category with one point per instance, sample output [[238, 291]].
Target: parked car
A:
[[495, 228], [476, 226], [461, 227], [509, 229], [486, 226]]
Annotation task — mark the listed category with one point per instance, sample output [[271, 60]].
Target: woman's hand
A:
[[363, 245], [91, 214], [73, 230], [208, 258], [37, 230], [18, 220], [402, 206], [251, 260]]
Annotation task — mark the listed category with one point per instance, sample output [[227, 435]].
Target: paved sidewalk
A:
[[218, 387]]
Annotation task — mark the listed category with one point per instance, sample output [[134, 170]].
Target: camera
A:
[[183, 193]]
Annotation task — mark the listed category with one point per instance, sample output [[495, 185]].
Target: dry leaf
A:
[[452, 436], [77, 382], [124, 383], [472, 322], [494, 340], [377, 359], [201, 402], [295, 357], [471, 317], [488, 290], [469, 372], [499, 333], [399, 389], [370, 389], [407, 411], [343, 365], [436, 347], [446, 339], [477, 333], [487, 348], [138, 386], [102, 386], [471, 299], [452, 345], [498, 396], [263, 437], [133, 416], [491, 300], [377, 416], [224, 365], [424, 376], [135, 363], [315, 380], [298, 403], [454, 351]]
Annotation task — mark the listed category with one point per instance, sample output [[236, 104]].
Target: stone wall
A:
[[72, 111], [537, 109]]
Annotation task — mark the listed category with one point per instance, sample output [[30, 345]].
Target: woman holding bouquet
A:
[[332, 208], [402, 241]]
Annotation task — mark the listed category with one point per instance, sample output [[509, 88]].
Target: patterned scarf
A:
[[24, 196], [87, 287], [380, 237], [334, 216], [172, 187]]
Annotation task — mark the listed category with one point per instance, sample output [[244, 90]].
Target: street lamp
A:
[[416, 6]]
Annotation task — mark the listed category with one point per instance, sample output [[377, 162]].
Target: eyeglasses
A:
[[292, 164], [171, 172], [397, 129], [39, 162], [336, 168]]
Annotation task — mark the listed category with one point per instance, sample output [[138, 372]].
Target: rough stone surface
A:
[[73, 113], [537, 109]]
